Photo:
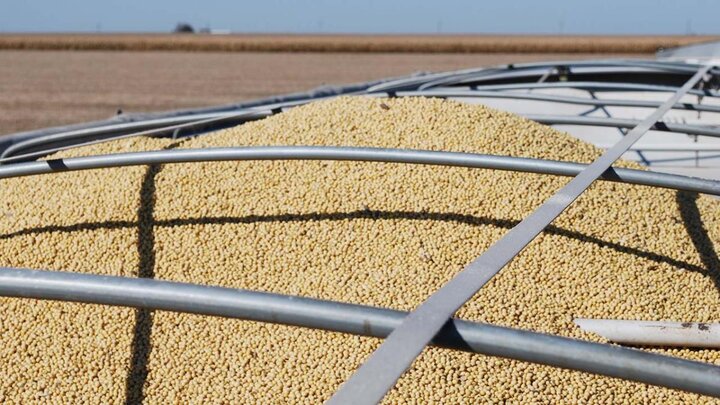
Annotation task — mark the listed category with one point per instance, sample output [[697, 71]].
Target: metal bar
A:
[[669, 147], [669, 66], [622, 123], [146, 121], [151, 121], [613, 361], [312, 95], [520, 73], [412, 83], [622, 131], [409, 156], [666, 66], [375, 377], [546, 75], [453, 93], [113, 126], [165, 130], [208, 124], [175, 130], [595, 86]]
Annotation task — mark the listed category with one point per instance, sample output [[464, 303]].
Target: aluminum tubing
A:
[[613, 361], [410, 156]]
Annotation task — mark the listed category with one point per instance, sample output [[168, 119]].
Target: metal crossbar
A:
[[146, 121], [454, 93], [596, 358], [453, 78], [208, 121], [622, 123], [384, 155], [214, 122], [591, 86], [370, 383], [29, 145]]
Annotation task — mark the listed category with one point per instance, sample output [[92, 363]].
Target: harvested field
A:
[[48, 88], [349, 43], [370, 233]]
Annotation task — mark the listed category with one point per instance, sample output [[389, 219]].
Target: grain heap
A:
[[371, 233]]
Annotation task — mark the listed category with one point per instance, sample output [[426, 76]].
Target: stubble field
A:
[[447, 43]]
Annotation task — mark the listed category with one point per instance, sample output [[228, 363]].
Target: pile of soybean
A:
[[370, 233]]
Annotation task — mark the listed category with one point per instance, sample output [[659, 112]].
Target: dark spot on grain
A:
[[384, 106]]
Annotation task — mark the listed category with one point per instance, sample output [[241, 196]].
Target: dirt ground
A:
[[46, 88]]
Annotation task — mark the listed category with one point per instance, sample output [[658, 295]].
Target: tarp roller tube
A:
[[409, 156], [613, 361]]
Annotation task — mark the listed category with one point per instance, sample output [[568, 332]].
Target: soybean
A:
[[369, 233]]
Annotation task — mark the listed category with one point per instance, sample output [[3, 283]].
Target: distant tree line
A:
[[184, 28]]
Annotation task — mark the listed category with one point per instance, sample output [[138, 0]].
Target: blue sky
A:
[[367, 16]]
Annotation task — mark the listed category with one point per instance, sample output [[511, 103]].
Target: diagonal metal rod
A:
[[370, 383], [596, 358]]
